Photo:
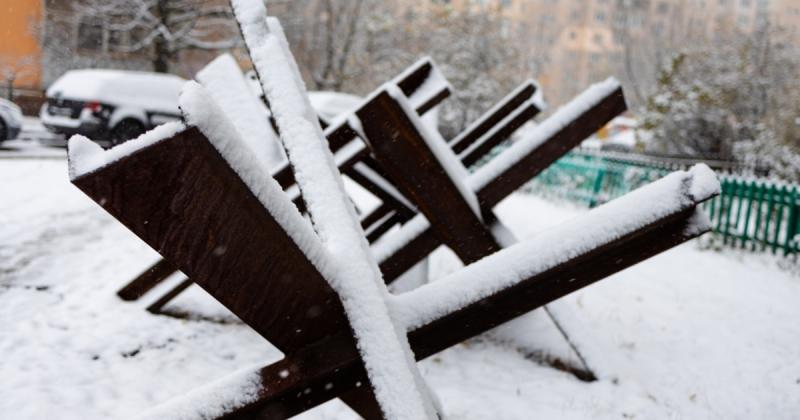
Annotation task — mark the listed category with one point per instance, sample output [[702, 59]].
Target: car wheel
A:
[[126, 130], [3, 131]]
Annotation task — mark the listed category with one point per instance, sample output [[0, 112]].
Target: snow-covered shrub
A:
[[736, 101]]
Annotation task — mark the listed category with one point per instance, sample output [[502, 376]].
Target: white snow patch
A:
[[389, 244], [211, 400], [86, 156], [225, 82], [705, 181], [331, 105]]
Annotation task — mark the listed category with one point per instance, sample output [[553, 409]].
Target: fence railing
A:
[[750, 213]]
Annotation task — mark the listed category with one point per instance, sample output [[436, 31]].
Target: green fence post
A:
[[598, 186], [750, 198]]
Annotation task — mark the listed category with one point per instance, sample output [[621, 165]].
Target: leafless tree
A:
[[161, 29], [13, 69], [327, 36], [355, 45], [478, 55]]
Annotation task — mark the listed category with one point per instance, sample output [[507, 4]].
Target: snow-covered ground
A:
[[34, 141], [692, 333]]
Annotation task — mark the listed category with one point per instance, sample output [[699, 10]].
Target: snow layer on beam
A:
[[383, 345], [224, 80], [443, 153], [212, 400], [669, 195], [560, 119], [499, 126], [433, 84], [87, 156], [385, 185], [388, 245], [201, 111]]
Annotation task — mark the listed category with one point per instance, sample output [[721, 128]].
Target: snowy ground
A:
[[689, 334], [33, 142]]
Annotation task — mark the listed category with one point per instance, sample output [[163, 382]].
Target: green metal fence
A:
[[755, 214]]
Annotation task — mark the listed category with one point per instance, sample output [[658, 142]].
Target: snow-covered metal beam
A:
[[509, 283], [181, 197], [526, 95], [504, 174], [427, 171]]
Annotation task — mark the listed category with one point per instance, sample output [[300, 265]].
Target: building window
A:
[[743, 20], [663, 8], [572, 56], [600, 17], [658, 28], [90, 35], [598, 38]]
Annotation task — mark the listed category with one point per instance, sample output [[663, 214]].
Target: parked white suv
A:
[[115, 105], [10, 120]]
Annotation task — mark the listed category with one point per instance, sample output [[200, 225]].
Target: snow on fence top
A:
[[670, 195], [383, 345], [225, 82]]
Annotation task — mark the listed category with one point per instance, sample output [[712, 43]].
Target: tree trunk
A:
[[10, 89], [161, 57], [162, 53]]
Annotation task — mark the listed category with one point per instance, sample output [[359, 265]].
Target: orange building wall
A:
[[18, 44]]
